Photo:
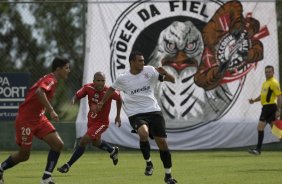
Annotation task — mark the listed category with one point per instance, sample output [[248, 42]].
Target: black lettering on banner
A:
[[120, 64], [147, 14], [195, 7]]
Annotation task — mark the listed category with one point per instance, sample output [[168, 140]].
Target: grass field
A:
[[189, 167]]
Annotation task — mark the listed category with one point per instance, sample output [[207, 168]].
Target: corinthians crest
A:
[[209, 52]]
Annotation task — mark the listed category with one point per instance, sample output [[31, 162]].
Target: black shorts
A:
[[268, 113], [154, 120]]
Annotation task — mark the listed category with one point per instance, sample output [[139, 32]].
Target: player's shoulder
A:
[[274, 81], [123, 75], [49, 78], [88, 85], [149, 67]]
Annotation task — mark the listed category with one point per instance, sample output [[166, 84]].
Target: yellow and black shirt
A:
[[269, 91]]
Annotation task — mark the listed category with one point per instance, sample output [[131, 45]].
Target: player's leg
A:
[[47, 132], [158, 131], [56, 145], [143, 132], [97, 129], [78, 152], [103, 145], [20, 156], [268, 115], [165, 156], [140, 126], [261, 126], [24, 136]]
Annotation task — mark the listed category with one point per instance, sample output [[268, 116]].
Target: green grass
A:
[[197, 167]]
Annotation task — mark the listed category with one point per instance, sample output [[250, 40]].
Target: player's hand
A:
[[54, 116], [73, 100], [118, 121], [161, 70], [251, 101]]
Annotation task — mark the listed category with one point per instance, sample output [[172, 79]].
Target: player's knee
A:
[[143, 135], [162, 144], [60, 145], [24, 157]]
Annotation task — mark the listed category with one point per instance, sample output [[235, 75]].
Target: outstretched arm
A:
[[257, 99], [107, 95], [74, 99], [167, 76], [117, 119]]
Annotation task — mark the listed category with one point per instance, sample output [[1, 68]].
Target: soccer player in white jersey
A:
[[142, 109]]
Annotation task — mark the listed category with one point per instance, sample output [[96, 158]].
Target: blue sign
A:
[[13, 88]]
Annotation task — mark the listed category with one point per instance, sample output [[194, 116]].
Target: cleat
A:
[[149, 170], [1, 178], [254, 151], [114, 155], [170, 180], [1, 175], [64, 169], [47, 181]]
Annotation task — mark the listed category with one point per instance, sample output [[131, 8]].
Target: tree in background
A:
[[32, 33]]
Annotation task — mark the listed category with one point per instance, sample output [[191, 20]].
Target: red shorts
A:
[[26, 131], [95, 129]]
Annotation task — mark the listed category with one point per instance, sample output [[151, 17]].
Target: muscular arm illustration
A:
[[255, 53], [227, 19]]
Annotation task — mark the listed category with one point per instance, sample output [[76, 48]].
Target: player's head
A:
[[61, 67], [136, 60], [99, 80], [269, 71]]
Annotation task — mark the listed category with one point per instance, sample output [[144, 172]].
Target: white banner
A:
[[203, 109]]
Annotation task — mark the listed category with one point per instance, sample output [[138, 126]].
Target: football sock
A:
[[106, 146], [260, 139], [8, 163], [76, 155], [168, 175], [145, 149], [166, 158], [168, 171], [52, 160]]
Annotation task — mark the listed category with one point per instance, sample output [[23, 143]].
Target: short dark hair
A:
[[133, 55], [98, 73], [269, 66], [59, 62]]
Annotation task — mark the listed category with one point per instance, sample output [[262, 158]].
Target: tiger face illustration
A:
[[184, 104]]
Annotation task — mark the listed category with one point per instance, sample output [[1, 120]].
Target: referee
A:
[[269, 94]]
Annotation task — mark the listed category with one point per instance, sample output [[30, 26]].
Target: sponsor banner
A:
[[13, 88], [216, 50]]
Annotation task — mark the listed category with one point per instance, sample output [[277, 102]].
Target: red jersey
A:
[[94, 97], [31, 109]]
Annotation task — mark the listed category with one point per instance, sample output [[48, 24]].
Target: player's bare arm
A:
[[167, 76], [107, 95], [257, 99], [117, 119], [43, 99], [74, 99]]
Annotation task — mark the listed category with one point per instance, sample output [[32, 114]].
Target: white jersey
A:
[[138, 91]]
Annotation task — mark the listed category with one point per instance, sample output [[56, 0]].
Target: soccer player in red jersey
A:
[[31, 121], [97, 122]]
